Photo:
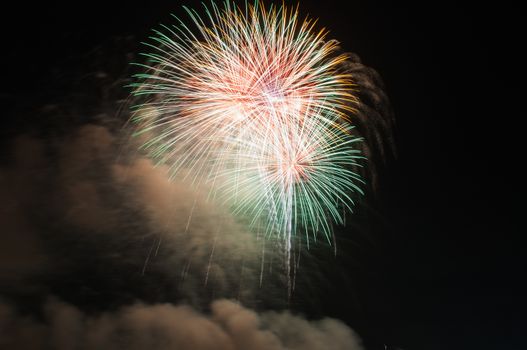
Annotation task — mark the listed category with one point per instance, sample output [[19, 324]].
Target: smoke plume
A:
[[166, 326]]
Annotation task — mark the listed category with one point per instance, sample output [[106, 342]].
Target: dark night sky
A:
[[448, 269]]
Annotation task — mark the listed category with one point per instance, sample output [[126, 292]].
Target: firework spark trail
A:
[[253, 103]]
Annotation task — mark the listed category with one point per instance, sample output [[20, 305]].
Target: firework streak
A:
[[253, 102]]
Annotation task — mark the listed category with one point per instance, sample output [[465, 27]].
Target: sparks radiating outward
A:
[[253, 102]]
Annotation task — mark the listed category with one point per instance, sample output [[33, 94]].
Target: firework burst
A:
[[253, 102]]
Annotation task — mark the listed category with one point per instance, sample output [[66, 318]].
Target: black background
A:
[[449, 269]]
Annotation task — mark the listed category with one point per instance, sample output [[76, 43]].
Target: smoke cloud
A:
[[72, 204], [165, 326], [101, 251]]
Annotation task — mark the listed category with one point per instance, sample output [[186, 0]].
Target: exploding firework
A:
[[254, 103]]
